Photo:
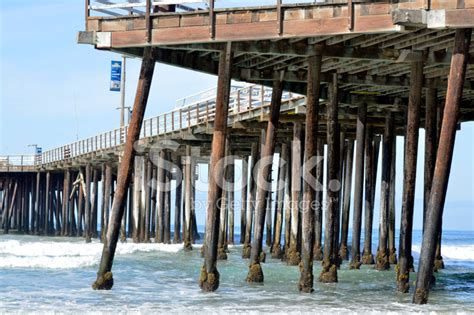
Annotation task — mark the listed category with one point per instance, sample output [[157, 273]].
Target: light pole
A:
[[122, 93]]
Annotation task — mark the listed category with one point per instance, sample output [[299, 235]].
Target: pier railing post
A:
[[104, 275], [444, 157]]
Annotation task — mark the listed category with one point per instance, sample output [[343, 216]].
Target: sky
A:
[[54, 91]]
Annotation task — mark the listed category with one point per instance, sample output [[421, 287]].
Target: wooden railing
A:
[[10, 163], [201, 112]]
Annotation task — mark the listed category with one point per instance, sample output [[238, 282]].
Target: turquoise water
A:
[[45, 274]]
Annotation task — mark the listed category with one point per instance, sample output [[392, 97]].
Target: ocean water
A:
[[54, 274]]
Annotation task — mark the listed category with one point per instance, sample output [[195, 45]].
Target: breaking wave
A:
[[66, 255], [453, 252]]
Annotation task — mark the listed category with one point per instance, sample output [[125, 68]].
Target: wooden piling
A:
[[104, 276], [358, 185], [160, 198], [188, 199], [137, 197], [87, 207], [382, 259], [243, 198], [276, 251], [293, 257], [443, 163], [367, 257], [309, 179], [209, 278], [405, 259], [318, 216], [231, 203], [94, 202], [391, 206], [254, 154], [263, 185], [106, 196], [167, 203], [178, 200], [349, 161], [329, 272], [147, 186]]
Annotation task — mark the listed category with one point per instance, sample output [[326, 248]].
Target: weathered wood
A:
[[405, 259], [147, 186], [268, 214], [243, 199], [188, 198], [349, 161], [391, 205], [167, 203], [382, 259], [66, 204], [293, 256], [106, 196], [160, 198], [443, 164], [318, 217], [254, 156], [87, 208], [231, 200], [178, 200], [330, 261], [263, 184], [104, 276], [137, 196], [222, 239], [310, 185], [367, 257], [280, 203], [80, 204], [430, 145], [358, 185], [47, 202], [209, 279], [94, 202]]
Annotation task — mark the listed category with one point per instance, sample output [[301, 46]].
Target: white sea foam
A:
[[64, 255], [453, 252]]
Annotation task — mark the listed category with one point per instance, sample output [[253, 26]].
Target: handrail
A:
[[19, 162], [242, 100]]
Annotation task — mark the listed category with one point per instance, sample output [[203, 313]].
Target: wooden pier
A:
[[348, 75]]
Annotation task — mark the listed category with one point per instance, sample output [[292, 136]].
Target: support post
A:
[[276, 251], [254, 154], [104, 276], [188, 199], [209, 278], [147, 187], [343, 252], [358, 185], [160, 198], [367, 257], [405, 259], [167, 203], [330, 261], [178, 201], [318, 216], [309, 179], [391, 205], [87, 197], [263, 185], [243, 200], [382, 259], [444, 157], [293, 257]]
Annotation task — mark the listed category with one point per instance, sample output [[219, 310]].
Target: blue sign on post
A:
[[39, 150], [115, 75]]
